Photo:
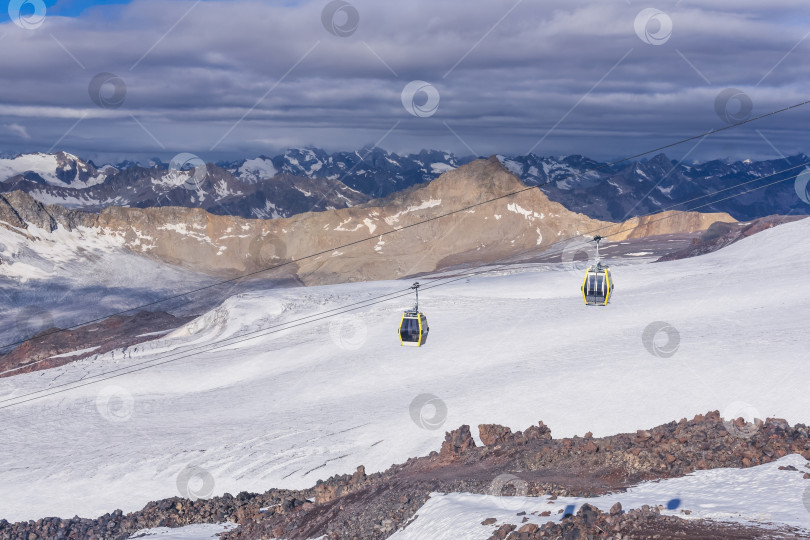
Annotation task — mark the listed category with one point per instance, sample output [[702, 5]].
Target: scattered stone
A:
[[371, 507], [502, 532]]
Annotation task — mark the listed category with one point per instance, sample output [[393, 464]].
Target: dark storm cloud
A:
[[193, 71]]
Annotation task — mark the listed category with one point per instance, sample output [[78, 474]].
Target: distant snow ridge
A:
[[60, 170], [254, 170], [248, 187]]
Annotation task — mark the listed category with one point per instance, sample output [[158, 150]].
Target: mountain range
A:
[[425, 218], [310, 179]]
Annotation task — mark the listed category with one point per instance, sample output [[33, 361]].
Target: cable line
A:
[[227, 342], [366, 239]]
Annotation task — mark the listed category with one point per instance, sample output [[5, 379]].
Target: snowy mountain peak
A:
[[245, 187]]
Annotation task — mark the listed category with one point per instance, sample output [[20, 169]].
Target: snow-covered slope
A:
[[307, 402], [60, 170], [762, 494], [63, 278], [189, 532]]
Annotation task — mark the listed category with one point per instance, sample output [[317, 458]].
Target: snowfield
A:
[[46, 166], [189, 532], [62, 278], [763, 495], [306, 402]]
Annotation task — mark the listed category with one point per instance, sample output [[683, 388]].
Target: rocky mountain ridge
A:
[[389, 240], [374, 506]]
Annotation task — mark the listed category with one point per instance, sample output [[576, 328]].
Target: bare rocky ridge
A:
[[363, 506], [56, 347], [228, 246], [721, 234]]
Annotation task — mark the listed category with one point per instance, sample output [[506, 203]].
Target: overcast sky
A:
[[229, 79]]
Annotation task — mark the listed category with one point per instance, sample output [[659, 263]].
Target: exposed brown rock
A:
[[492, 434], [540, 431], [338, 486], [457, 442], [722, 233], [374, 506], [502, 532]]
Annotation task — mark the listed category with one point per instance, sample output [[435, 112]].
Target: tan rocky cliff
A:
[[229, 246]]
